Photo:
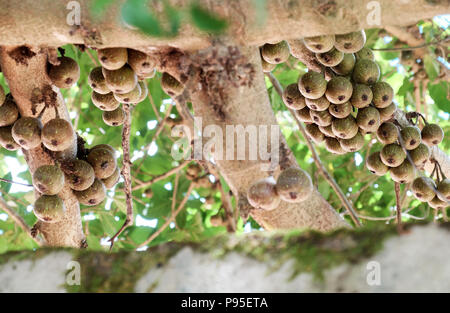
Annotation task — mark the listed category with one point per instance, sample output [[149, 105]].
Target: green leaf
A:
[[5, 186], [136, 13], [206, 21], [439, 93], [431, 67]]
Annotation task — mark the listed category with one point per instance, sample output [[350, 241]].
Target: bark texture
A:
[[25, 71], [243, 101], [21, 21], [348, 261]]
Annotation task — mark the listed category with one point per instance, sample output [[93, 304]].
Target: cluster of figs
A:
[[341, 103]]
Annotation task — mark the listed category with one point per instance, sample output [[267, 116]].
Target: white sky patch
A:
[[1, 232], [152, 124], [443, 115], [409, 193], [172, 225], [358, 159], [152, 149], [89, 217], [248, 228], [138, 133], [3, 216], [144, 248], [375, 185], [105, 241], [168, 186], [140, 221], [137, 155], [29, 208], [72, 114]]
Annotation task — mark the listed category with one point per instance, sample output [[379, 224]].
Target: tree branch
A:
[[162, 176]]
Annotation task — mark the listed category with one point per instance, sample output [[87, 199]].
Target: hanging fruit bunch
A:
[[341, 99]]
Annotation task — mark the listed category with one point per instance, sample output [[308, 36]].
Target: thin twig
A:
[[19, 221], [413, 47], [398, 207], [158, 117], [162, 176], [88, 52], [345, 202], [126, 171], [171, 218], [13, 182], [175, 191], [227, 206]]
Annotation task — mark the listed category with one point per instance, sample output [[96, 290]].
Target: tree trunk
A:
[[377, 260], [45, 22], [25, 73]]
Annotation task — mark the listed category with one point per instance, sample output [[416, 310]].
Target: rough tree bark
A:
[[25, 73], [45, 22]]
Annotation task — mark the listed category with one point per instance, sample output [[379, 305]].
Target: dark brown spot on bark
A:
[[21, 55]]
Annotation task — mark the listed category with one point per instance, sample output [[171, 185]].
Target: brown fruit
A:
[[392, 155], [382, 94], [368, 119], [79, 174], [27, 132], [97, 81], [366, 72], [327, 131], [345, 128], [346, 66], [93, 195], [411, 137], [130, 97], [333, 145], [2, 95], [432, 134], [262, 194], [48, 179], [6, 139], [365, 53], [424, 188], [275, 53], [49, 209], [387, 112], [319, 44], [171, 85], [443, 188], [292, 97], [144, 91], [321, 118], [404, 173], [438, 204], [314, 133], [339, 90], [114, 118], [420, 155], [141, 63], [105, 102], [340, 110], [362, 96], [58, 134], [294, 185], [266, 66], [330, 58], [375, 165], [353, 144], [387, 133], [65, 74], [103, 161], [9, 112], [121, 80], [104, 146], [320, 104], [112, 180], [113, 58], [312, 85], [351, 42], [304, 115]]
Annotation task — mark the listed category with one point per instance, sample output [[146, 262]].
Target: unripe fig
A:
[[362, 96], [345, 128], [312, 85], [57, 134], [340, 110], [27, 132], [292, 97], [404, 173], [320, 104], [330, 58], [112, 180], [346, 66], [314, 133], [79, 174], [321, 118], [350, 42], [368, 119], [113, 58], [432, 134], [353, 144], [392, 155], [365, 53], [2, 95], [65, 74], [375, 165], [6, 139], [423, 188], [141, 63], [8, 112], [339, 90], [319, 44], [93, 195], [275, 53], [114, 118], [334, 146], [122, 80], [49, 209], [443, 188], [366, 72], [266, 66], [420, 155], [382, 94], [105, 102], [144, 91], [411, 137], [171, 85], [304, 115], [387, 133], [48, 179], [294, 185], [387, 112], [97, 81], [262, 194], [438, 204]]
